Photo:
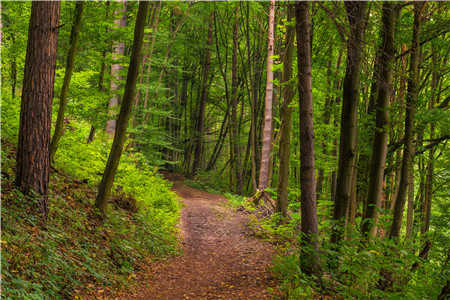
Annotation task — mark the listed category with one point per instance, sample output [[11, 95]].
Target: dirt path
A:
[[220, 261]]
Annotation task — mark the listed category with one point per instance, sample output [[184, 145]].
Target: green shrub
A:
[[74, 252]]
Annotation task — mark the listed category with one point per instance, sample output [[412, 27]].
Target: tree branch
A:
[[444, 31]]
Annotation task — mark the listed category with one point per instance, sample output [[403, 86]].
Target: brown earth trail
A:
[[221, 259]]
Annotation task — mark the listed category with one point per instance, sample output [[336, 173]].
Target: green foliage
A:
[[210, 181], [356, 271], [75, 252]]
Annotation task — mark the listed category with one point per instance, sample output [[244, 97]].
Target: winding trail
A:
[[221, 259]]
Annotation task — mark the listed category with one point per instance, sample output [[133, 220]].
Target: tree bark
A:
[[310, 262], [119, 49], [286, 116], [410, 210], [59, 126], [411, 99], [234, 137], [125, 112], [267, 128], [379, 148], [252, 93], [101, 77], [33, 150], [430, 166], [347, 146], [201, 113]]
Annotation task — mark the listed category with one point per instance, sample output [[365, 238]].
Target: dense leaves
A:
[[189, 51]]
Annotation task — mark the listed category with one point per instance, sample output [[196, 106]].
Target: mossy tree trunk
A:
[[79, 8], [202, 106], [310, 262], [125, 112], [350, 98], [411, 99], [281, 205], [379, 148], [234, 137]]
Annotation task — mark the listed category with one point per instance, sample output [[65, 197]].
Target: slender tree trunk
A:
[[234, 137], [410, 211], [101, 78], [411, 99], [149, 63], [147, 56], [119, 49], [286, 116], [267, 128], [33, 149], [310, 262], [347, 149], [101, 89], [252, 94], [219, 144], [13, 72], [125, 112], [201, 113], [379, 148], [79, 8], [430, 166], [326, 120]]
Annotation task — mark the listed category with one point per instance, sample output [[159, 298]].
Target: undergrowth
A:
[[354, 270], [74, 253]]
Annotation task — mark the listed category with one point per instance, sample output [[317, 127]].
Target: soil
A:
[[221, 259]]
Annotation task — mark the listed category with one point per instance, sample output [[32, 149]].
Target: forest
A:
[[323, 126]]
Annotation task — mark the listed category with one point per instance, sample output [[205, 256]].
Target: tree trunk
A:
[[149, 63], [33, 150], [410, 211], [101, 77], [13, 72], [147, 56], [267, 128], [119, 49], [286, 117], [347, 146], [411, 99], [310, 263], [59, 126], [125, 112], [253, 111], [326, 120], [234, 137], [201, 113], [379, 148]]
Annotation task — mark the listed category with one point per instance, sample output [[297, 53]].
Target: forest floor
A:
[[221, 258]]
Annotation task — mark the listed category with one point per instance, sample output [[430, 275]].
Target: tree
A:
[[310, 262], [286, 116], [125, 112], [234, 136], [33, 150], [386, 59], [59, 126], [411, 99], [347, 145], [119, 50], [201, 112], [267, 128]]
